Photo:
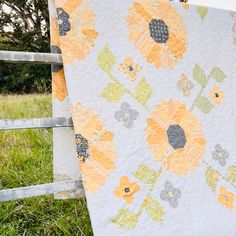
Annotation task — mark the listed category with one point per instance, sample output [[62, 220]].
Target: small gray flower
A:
[[220, 155], [170, 194], [63, 21], [127, 115]]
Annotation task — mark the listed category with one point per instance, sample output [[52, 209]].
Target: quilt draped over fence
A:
[[151, 89]]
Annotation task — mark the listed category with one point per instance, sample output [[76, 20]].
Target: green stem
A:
[[200, 93], [158, 175], [222, 176], [128, 91], [140, 210]]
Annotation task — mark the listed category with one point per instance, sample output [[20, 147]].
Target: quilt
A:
[[151, 87]]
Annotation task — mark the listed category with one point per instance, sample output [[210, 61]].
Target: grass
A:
[[26, 159]]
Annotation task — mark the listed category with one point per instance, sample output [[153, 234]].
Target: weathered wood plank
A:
[[32, 57], [35, 123], [38, 190]]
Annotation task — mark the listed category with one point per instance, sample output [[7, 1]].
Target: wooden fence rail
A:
[[38, 190], [31, 57], [35, 123]]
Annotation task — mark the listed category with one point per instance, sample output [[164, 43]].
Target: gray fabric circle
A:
[[176, 136], [159, 31], [63, 21]]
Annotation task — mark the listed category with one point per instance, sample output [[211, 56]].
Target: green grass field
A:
[[26, 159]]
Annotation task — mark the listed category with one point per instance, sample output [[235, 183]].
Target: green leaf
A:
[[153, 208], [231, 174], [143, 91], [146, 174], [125, 219], [202, 11], [199, 76], [204, 104], [218, 74], [212, 177], [106, 60], [113, 92]]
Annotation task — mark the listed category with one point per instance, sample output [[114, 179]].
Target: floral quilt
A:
[[151, 86]]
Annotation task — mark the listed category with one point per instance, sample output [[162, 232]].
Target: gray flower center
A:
[[159, 31], [127, 190], [226, 198], [176, 136], [63, 21], [131, 68], [82, 147]]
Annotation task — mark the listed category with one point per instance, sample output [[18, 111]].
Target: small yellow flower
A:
[[226, 198], [126, 189], [217, 95], [130, 69]]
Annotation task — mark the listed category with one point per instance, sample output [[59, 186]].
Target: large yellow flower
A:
[[157, 31], [95, 147], [175, 137], [77, 29]]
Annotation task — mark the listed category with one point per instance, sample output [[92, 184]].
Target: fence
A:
[[55, 122], [35, 123]]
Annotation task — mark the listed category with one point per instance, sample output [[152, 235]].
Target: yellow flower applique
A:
[[175, 137], [157, 31], [76, 36], [217, 95], [95, 147], [126, 189], [129, 68], [226, 198]]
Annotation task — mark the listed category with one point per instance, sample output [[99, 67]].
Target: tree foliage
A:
[[24, 26]]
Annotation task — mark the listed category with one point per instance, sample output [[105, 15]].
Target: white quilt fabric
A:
[[151, 87]]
